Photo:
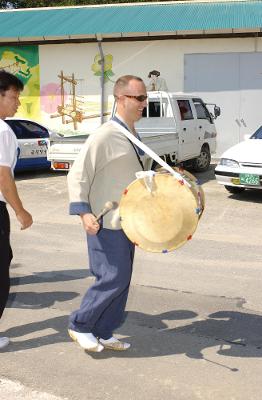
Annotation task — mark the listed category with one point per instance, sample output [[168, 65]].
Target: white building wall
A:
[[135, 57]]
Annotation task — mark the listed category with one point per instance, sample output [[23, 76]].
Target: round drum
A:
[[166, 216]]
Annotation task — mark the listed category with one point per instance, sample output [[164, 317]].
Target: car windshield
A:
[[257, 134], [25, 129]]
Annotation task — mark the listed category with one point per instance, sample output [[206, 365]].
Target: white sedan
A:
[[240, 167]]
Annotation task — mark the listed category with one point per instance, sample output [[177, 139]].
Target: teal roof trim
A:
[[124, 19]]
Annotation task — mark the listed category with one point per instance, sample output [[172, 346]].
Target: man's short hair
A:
[[8, 81], [123, 82]]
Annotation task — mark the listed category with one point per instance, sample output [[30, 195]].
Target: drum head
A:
[[162, 219]]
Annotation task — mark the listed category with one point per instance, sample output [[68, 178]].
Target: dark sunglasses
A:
[[139, 98]]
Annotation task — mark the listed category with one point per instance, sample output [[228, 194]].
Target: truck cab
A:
[[185, 124]]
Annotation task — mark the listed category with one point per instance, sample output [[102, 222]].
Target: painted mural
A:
[[97, 67], [67, 102], [63, 82], [64, 101], [23, 61], [72, 108]]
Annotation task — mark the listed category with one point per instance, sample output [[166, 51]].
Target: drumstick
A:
[[109, 205]]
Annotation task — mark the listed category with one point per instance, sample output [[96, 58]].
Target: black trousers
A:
[[5, 256]]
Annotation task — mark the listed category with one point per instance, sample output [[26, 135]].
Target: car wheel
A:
[[202, 162], [234, 189]]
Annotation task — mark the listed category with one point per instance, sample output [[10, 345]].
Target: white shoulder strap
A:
[[148, 151]]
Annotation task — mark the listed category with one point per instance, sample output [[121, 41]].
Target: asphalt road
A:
[[194, 315]]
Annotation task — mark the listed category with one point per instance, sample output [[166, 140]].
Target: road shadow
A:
[[52, 276], [236, 334], [58, 325], [207, 176], [36, 174], [38, 300], [248, 196]]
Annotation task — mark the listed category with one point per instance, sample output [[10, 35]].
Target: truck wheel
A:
[[234, 189], [155, 166], [202, 162]]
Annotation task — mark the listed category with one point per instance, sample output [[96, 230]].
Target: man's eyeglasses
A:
[[139, 98]]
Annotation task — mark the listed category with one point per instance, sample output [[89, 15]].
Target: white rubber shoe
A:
[[4, 341], [114, 344], [86, 340]]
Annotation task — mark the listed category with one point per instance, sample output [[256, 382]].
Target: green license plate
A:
[[249, 179]]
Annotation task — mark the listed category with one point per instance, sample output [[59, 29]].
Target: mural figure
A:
[[155, 82]]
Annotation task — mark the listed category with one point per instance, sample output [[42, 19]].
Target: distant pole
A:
[[102, 80]]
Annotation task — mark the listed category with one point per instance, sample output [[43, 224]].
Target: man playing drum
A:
[[104, 168]]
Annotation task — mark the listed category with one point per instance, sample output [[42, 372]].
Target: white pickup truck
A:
[[178, 127]]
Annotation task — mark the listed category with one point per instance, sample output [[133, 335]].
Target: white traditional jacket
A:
[[105, 166]]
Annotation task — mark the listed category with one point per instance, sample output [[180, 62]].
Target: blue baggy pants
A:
[[102, 309]]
